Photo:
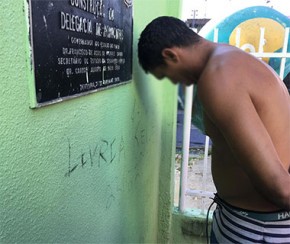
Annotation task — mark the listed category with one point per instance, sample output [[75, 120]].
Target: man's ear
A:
[[169, 55]]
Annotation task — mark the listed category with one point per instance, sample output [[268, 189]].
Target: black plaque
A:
[[80, 46]]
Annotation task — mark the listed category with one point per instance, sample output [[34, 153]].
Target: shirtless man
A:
[[246, 113]]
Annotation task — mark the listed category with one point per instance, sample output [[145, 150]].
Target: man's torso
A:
[[272, 107]]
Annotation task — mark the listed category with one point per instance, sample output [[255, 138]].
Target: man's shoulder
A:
[[225, 56], [219, 73], [227, 67]]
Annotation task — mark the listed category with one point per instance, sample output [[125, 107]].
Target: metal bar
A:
[[272, 55], [205, 168], [262, 40], [216, 35], [185, 146], [199, 193], [284, 51]]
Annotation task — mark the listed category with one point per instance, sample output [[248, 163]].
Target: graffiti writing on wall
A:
[[103, 152]]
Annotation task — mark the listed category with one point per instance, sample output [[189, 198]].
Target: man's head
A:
[[163, 32]]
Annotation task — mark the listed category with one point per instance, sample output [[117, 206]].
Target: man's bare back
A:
[[247, 117]]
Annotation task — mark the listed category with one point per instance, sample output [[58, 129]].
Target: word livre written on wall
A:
[[80, 46]]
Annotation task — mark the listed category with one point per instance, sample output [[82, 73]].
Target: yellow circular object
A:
[[250, 35]]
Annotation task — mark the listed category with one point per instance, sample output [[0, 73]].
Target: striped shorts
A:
[[235, 225]]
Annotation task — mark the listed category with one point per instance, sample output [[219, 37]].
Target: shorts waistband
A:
[[262, 216]]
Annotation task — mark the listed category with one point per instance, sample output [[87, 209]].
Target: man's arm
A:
[[230, 107]]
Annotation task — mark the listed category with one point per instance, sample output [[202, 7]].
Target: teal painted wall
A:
[[122, 193]]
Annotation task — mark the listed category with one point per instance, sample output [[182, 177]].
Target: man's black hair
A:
[[163, 32]]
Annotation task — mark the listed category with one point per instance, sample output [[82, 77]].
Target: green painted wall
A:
[[122, 192]]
